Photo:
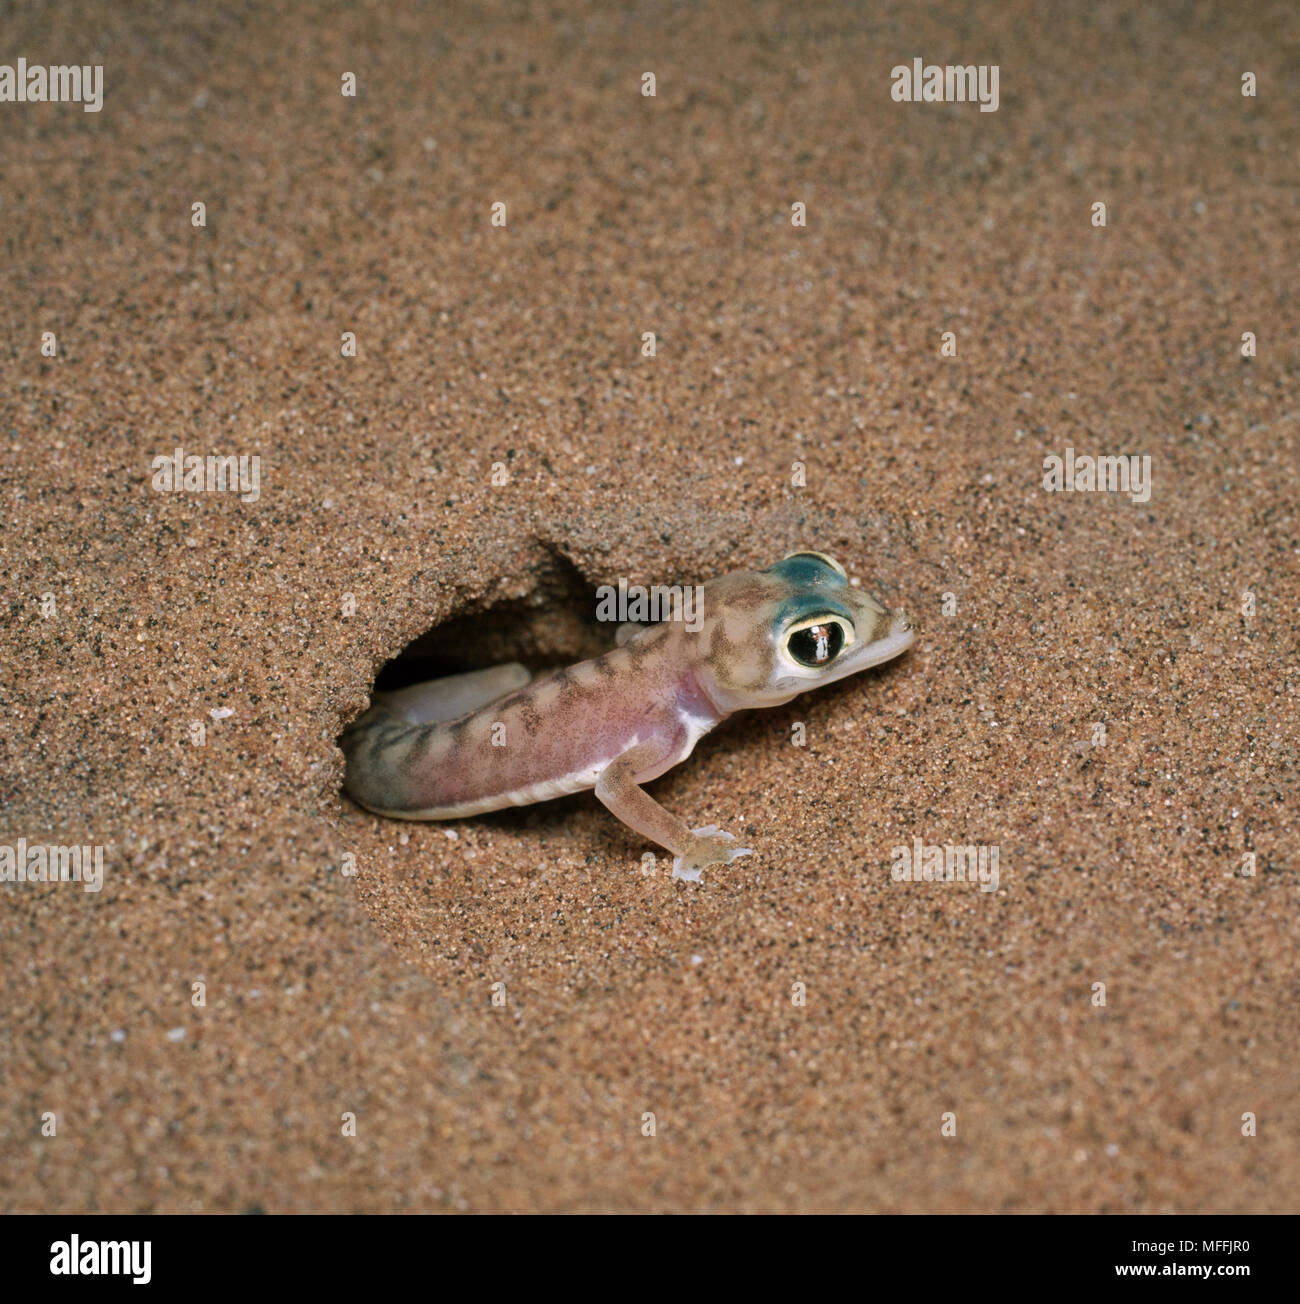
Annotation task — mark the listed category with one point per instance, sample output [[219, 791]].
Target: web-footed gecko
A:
[[498, 737]]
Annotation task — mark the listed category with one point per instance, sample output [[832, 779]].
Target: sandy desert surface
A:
[[1104, 689]]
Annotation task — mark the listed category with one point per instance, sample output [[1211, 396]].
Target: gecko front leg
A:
[[619, 788]]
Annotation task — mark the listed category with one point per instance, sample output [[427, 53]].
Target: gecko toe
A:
[[691, 875], [712, 850]]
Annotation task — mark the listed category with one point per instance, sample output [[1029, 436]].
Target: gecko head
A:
[[771, 635]]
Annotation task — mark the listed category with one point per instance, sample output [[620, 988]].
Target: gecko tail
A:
[[394, 751], [439, 701]]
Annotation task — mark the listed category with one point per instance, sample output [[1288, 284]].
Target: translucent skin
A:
[[478, 742]]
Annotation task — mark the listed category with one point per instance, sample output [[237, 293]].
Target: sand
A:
[[1123, 852]]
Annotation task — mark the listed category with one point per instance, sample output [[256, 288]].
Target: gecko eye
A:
[[817, 642]]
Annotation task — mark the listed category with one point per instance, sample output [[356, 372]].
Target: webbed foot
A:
[[708, 846]]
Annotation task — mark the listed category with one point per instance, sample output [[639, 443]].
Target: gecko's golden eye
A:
[[816, 642]]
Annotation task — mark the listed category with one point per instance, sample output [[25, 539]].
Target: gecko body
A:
[[497, 737]]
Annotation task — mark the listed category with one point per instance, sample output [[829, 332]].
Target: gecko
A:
[[479, 741]]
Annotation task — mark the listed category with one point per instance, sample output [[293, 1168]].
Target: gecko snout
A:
[[896, 630]]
